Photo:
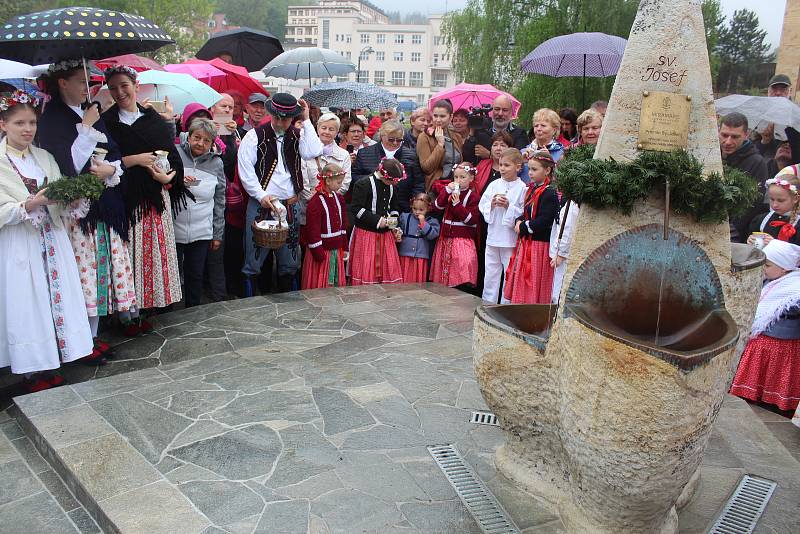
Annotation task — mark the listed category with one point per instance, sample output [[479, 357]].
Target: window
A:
[[399, 38], [379, 78], [348, 55], [416, 57], [349, 38], [435, 59], [326, 28], [437, 40], [363, 76], [380, 56], [300, 30], [415, 79], [363, 56], [341, 78], [211, 23], [364, 38], [398, 78], [398, 56], [381, 38], [439, 79], [416, 39]]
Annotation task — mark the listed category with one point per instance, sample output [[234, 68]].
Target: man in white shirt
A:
[[270, 162]]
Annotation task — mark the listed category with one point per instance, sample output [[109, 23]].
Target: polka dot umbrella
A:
[[77, 32]]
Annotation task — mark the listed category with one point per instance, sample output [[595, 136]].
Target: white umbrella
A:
[[761, 111], [13, 69], [307, 63]]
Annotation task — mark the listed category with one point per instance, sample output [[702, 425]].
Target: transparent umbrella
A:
[[308, 63]]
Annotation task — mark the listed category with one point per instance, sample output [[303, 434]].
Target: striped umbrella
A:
[[592, 54], [350, 95]]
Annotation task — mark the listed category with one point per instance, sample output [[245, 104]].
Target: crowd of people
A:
[[456, 198]]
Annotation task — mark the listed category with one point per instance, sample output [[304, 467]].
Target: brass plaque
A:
[[664, 122]]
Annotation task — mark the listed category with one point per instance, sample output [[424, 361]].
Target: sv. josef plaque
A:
[[664, 122]]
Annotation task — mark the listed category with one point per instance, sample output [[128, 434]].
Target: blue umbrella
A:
[[350, 95], [593, 54]]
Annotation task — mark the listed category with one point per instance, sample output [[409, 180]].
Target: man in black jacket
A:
[[477, 146], [391, 146], [740, 153]]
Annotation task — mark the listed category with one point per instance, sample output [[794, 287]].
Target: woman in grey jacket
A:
[[200, 227]]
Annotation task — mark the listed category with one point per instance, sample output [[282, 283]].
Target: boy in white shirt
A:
[[500, 205]]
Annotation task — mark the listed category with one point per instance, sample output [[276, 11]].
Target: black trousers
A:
[[192, 263]]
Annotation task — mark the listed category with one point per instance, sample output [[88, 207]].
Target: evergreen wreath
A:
[[68, 189], [610, 183]]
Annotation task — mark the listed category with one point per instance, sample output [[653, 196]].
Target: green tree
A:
[[741, 48], [715, 23], [488, 38]]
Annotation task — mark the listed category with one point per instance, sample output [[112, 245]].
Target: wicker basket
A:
[[273, 237]]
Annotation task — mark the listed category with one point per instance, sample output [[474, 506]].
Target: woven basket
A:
[[273, 237]]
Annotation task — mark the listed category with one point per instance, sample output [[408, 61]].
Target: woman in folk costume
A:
[[152, 193], [769, 370], [72, 134], [43, 319], [375, 211], [325, 232], [529, 277], [783, 219], [455, 260]]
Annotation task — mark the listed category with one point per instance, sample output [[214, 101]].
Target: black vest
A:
[[267, 155]]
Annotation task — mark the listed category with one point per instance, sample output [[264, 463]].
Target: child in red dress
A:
[[418, 233], [374, 210], [529, 277], [325, 232], [455, 260]]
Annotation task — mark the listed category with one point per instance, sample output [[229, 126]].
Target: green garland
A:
[[67, 189], [610, 183]]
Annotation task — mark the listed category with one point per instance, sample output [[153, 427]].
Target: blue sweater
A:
[[417, 243]]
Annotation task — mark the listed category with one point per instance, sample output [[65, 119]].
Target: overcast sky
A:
[[770, 12]]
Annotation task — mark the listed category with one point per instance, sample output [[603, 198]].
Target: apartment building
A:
[[410, 60]]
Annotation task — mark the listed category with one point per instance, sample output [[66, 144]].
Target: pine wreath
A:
[[67, 189], [619, 185]]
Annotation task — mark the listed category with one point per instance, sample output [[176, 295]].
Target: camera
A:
[[478, 117]]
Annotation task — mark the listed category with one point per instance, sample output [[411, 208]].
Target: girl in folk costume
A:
[[560, 243], [529, 278], [455, 260], [325, 232], [419, 232], [783, 219], [500, 205], [769, 370], [374, 211], [72, 134], [153, 190], [43, 319]]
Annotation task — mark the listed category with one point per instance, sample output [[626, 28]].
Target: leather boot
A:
[[285, 283]]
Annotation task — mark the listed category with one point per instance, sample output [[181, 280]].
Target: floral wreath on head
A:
[[384, 174], [19, 96], [467, 167], [66, 64], [322, 176], [120, 69], [780, 182]]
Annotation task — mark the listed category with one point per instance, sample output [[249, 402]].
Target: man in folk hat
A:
[[270, 158]]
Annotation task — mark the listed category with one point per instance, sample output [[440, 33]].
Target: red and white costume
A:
[[325, 235], [455, 260]]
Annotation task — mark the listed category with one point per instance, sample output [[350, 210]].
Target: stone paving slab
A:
[[307, 412]]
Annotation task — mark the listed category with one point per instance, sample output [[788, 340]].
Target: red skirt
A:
[[415, 270], [318, 273], [455, 262], [529, 277], [373, 258], [769, 371]]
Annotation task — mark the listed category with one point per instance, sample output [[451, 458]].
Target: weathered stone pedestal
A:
[[607, 414]]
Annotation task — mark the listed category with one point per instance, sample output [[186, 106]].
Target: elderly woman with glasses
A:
[[391, 146], [327, 127]]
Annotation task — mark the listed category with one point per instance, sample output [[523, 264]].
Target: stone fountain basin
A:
[[529, 322]]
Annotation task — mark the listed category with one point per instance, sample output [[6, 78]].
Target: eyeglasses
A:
[[394, 139]]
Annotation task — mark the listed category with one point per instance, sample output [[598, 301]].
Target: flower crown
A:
[[120, 69], [780, 182], [65, 64], [19, 96], [467, 167], [544, 156], [385, 173], [325, 175]]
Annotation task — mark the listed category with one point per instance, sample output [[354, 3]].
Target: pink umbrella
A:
[[204, 72], [468, 95], [236, 78], [139, 63]]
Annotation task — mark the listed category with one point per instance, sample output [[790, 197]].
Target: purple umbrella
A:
[[579, 54]]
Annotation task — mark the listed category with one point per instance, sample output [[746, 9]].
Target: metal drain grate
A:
[[476, 497], [745, 506], [484, 418]]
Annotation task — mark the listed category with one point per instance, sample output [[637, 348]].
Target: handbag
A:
[[235, 202]]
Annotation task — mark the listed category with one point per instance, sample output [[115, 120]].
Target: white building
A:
[[410, 60]]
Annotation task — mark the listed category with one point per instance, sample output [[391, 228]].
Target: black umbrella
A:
[[78, 32], [248, 48]]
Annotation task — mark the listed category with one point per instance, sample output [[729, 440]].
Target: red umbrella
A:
[[236, 78], [138, 63]]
